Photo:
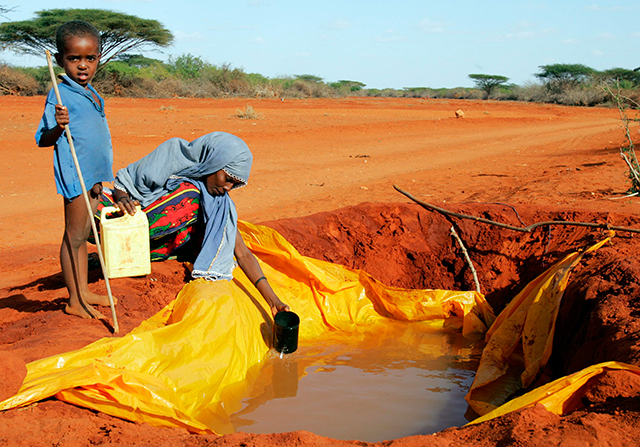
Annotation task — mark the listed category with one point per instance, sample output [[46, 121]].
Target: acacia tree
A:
[[4, 10], [488, 83], [119, 32], [622, 75], [558, 77], [352, 86], [309, 78]]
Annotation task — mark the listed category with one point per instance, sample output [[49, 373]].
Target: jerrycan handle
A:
[[112, 209]]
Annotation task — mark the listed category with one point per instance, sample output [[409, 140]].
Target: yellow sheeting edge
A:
[[561, 396], [190, 364], [520, 340]]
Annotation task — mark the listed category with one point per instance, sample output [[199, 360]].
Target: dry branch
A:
[[631, 168], [527, 229], [466, 256]]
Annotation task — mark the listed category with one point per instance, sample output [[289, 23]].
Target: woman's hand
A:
[[278, 306], [128, 205], [125, 203]]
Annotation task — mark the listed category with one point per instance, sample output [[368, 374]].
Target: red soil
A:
[[323, 177]]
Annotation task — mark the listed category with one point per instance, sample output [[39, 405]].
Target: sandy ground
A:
[[323, 175]]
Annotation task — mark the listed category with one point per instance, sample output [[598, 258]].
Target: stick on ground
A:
[[454, 233], [527, 229]]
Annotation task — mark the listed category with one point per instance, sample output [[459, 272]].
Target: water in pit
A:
[[408, 379]]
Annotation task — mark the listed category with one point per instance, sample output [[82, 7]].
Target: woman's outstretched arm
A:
[[250, 266]]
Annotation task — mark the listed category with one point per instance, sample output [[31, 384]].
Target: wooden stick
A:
[[631, 168], [527, 229], [85, 194], [466, 256]]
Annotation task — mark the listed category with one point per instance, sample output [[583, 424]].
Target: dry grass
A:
[[14, 82], [248, 113]]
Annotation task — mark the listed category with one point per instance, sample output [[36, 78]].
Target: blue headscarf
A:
[[177, 160]]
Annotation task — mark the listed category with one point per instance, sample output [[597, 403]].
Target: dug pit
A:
[[406, 246], [400, 380]]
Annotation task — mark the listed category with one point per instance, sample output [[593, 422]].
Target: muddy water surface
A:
[[408, 379]]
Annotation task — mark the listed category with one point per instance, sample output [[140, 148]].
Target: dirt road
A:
[[321, 155], [310, 156]]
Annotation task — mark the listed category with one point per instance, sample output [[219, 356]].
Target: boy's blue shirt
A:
[[91, 139]]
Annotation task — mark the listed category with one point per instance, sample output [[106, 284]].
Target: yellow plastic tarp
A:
[[520, 340], [191, 364], [562, 396]]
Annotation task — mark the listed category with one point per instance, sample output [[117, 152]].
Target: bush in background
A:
[[17, 82], [189, 76]]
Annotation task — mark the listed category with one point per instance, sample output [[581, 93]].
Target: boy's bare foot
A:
[[98, 300], [80, 311]]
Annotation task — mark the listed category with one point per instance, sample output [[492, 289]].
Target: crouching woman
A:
[[184, 187]]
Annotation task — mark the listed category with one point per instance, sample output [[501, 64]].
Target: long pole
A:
[[85, 194]]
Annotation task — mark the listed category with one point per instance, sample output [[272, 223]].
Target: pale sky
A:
[[395, 44]]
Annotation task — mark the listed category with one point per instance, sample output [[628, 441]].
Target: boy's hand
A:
[[62, 116], [96, 191]]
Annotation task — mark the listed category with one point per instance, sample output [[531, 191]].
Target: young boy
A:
[[79, 48]]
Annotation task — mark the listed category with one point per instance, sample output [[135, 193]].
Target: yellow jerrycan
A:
[[125, 243]]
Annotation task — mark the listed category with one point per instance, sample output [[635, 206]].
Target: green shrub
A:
[[120, 71], [344, 87], [283, 84], [256, 79], [187, 66], [626, 79]]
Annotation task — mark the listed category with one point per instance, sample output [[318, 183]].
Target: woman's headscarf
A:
[[146, 179], [176, 160]]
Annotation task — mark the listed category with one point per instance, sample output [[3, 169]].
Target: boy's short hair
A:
[[75, 28]]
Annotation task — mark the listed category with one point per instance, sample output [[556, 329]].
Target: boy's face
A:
[[80, 59]]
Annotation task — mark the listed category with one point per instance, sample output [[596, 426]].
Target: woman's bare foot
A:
[[98, 300], [84, 312]]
